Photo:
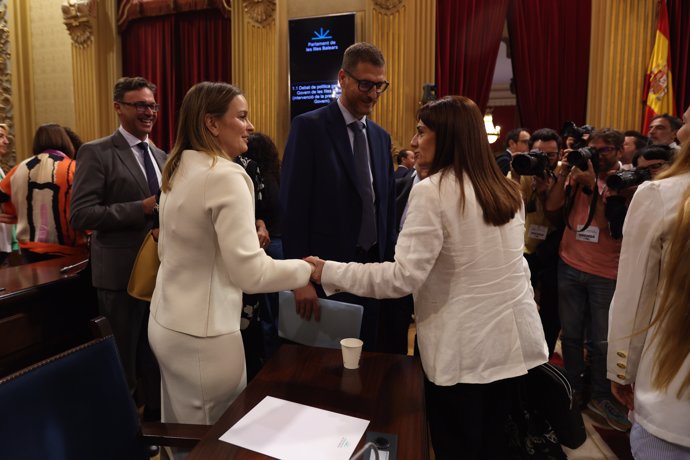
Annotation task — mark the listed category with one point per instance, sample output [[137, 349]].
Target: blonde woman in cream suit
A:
[[209, 255]]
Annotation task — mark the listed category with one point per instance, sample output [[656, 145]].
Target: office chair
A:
[[76, 405], [339, 320]]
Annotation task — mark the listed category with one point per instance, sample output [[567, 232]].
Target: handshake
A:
[[316, 268]]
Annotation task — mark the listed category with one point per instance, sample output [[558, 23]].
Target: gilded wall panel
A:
[[52, 65], [621, 45], [406, 35]]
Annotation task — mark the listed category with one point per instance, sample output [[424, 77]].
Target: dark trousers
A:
[[468, 421], [544, 275], [129, 319]]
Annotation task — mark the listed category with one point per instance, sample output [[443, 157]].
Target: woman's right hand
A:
[[318, 268], [624, 393]]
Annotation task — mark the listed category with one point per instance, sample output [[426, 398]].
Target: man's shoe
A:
[[611, 413]]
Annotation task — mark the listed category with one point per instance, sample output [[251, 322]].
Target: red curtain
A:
[[175, 52], [468, 35], [679, 25], [549, 42]]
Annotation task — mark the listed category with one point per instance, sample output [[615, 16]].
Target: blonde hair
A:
[[202, 99], [673, 314]]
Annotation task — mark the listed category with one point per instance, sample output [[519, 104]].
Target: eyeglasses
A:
[[142, 107], [366, 85], [652, 167]]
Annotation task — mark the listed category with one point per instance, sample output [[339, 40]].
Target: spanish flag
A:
[[658, 82]]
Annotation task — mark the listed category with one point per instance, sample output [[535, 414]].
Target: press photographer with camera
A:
[[536, 173], [588, 265]]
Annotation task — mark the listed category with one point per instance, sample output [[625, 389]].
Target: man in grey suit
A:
[[114, 195]]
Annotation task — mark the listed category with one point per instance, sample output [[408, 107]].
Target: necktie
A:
[[151, 176], [367, 232]]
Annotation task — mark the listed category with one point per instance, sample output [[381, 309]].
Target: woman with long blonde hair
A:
[[649, 339], [209, 254]]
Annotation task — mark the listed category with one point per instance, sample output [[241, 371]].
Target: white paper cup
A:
[[352, 350]]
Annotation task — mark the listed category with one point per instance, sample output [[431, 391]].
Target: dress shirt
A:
[[139, 154]]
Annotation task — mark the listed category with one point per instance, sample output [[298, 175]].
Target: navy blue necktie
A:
[[367, 232], [150, 169]]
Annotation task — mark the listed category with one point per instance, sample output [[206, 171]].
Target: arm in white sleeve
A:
[[637, 285], [416, 251]]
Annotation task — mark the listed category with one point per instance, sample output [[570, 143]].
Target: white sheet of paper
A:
[[291, 431]]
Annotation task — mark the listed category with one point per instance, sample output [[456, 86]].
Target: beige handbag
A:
[[142, 280]]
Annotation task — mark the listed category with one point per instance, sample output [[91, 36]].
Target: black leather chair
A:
[[76, 405]]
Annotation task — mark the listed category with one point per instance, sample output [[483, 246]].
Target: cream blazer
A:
[[631, 352], [210, 252], [474, 305]]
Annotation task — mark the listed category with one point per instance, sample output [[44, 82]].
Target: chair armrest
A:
[[173, 434]]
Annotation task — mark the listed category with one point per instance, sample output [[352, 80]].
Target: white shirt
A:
[[139, 154], [631, 352], [474, 305]]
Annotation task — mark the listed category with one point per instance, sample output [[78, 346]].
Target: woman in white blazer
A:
[[460, 254], [210, 254], [649, 344]]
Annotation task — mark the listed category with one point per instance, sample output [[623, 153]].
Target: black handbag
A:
[[547, 389]]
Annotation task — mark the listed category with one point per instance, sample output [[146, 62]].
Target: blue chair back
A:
[[72, 406]]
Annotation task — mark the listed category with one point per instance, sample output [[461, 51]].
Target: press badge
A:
[[590, 234], [538, 231]]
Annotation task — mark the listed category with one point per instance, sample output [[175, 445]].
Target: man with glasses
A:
[[587, 270], [338, 192], [115, 186], [655, 159], [517, 141], [542, 232]]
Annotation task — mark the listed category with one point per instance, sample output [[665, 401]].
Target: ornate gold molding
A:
[[5, 77], [79, 17], [260, 12], [388, 6]]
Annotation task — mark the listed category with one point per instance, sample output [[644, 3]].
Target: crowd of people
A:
[[497, 255]]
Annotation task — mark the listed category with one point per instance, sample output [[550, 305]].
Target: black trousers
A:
[[129, 319], [468, 421]]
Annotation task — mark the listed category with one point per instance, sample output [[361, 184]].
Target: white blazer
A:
[[210, 252], [631, 352], [474, 305]]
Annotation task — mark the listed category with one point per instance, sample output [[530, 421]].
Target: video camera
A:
[[579, 157], [578, 133], [624, 179], [533, 163]]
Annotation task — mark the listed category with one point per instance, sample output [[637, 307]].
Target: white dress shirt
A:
[[631, 352], [474, 305]]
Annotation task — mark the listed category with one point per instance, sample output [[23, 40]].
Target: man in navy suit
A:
[[337, 188]]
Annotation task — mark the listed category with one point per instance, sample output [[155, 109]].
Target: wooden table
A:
[[387, 389], [43, 310]]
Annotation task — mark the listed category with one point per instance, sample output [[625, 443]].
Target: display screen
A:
[[316, 51]]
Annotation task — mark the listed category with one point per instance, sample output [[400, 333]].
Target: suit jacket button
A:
[[621, 365], [621, 376], [621, 354]]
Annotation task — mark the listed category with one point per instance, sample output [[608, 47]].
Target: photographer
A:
[[648, 162], [536, 173], [588, 266]]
